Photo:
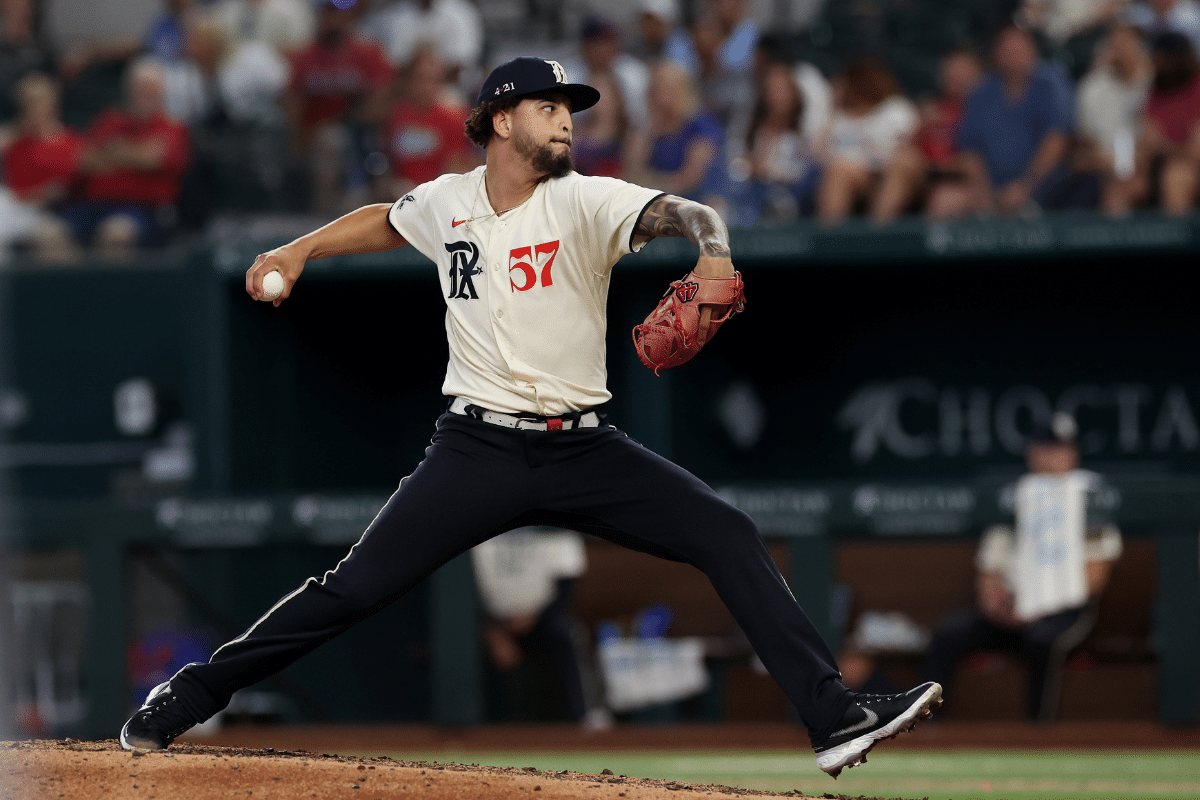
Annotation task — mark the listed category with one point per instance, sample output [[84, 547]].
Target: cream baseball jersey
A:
[[526, 292]]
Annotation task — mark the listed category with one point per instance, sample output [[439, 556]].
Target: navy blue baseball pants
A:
[[1037, 643], [594, 480]]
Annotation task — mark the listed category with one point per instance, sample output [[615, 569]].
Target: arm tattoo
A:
[[673, 216]]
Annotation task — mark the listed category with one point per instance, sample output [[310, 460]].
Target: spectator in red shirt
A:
[[40, 158], [929, 156], [338, 92], [132, 166], [40, 161], [1169, 139], [424, 138]]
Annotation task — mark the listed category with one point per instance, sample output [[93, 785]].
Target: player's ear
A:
[[502, 122]]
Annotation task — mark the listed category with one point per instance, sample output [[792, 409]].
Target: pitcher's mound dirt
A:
[[50, 769]]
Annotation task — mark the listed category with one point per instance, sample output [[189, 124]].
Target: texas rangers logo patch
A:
[[687, 291], [560, 74], [463, 258]]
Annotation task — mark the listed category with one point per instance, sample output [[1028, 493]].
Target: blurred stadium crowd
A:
[[875, 108]]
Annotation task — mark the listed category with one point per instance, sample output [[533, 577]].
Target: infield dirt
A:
[[50, 769]]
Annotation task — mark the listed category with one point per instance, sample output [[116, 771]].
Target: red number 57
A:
[[526, 260]]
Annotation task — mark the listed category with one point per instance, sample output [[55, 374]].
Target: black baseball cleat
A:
[[156, 724], [871, 719]]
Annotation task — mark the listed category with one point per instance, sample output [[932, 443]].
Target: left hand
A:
[[689, 314]]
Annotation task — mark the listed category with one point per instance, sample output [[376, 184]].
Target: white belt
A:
[[528, 422]]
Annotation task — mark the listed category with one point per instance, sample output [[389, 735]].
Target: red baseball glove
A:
[[670, 336]]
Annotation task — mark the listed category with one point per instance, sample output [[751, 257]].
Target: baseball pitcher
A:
[[524, 248]]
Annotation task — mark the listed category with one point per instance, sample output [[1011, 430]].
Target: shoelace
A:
[[169, 714], [877, 698]]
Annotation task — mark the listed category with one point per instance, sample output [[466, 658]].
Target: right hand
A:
[[288, 260]]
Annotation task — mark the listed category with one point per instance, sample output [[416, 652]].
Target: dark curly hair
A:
[[479, 123]]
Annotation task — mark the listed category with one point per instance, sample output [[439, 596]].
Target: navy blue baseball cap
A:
[[523, 76], [1061, 428]]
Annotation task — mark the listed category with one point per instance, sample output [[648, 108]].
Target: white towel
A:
[[1048, 566]]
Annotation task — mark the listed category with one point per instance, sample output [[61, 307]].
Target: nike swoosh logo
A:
[[454, 223], [871, 719]]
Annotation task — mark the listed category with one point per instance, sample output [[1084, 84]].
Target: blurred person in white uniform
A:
[[525, 579], [1037, 582]]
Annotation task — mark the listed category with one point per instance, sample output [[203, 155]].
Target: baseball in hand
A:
[[272, 286]]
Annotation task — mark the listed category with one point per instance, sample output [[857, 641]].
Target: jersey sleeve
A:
[[1103, 544], [411, 217], [1101, 500], [608, 210], [995, 553], [1102, 537]]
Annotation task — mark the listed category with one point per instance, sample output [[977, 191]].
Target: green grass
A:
[[952, 775]]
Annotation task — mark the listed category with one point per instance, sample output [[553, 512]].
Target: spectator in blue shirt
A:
[[1013, 136], [682, 149], [165, 40], [739, 38]]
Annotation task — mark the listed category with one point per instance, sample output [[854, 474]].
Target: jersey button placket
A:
[[498, 298]]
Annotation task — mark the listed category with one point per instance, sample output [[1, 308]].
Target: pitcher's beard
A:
[[543, 158]]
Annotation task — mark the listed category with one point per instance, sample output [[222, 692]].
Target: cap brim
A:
[[581, 95]]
